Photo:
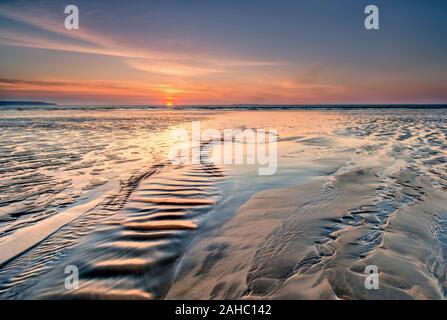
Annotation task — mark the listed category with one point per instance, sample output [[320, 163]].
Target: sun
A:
[[169, 103]]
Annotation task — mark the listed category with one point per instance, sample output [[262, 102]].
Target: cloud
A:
[[32, 41], [41, 21], [172, 68], [86, 86], [88, 41]]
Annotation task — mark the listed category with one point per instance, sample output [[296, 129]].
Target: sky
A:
[[190, 52]]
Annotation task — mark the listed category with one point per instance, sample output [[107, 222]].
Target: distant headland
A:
[[26, 103]]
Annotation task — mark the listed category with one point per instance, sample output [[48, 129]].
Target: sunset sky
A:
[[224, 52]]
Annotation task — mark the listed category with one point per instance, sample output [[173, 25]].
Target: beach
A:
[[96, 189]]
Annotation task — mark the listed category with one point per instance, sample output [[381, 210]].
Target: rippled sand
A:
[[95, 189]]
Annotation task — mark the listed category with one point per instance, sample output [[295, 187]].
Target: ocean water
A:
[[95, 189]]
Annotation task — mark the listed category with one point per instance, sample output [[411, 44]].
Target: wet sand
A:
[[385, 206], [353, 188]]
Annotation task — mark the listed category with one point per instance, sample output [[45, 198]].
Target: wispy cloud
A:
[[87, 41], [20, 84], [12, 38], [40, 21], [172, 68]]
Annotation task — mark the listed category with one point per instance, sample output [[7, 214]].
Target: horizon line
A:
[[244, 105]]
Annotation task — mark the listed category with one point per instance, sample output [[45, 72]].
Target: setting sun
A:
[[169, 103]]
